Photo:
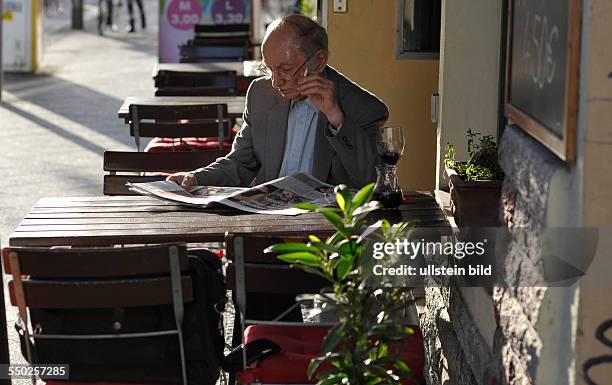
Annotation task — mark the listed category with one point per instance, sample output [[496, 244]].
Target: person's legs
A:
[[143, 21], [109, 14], [131, 14]]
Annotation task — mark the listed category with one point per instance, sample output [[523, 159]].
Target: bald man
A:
[[303, 116]]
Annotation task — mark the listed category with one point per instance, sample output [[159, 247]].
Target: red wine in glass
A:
[[390, 146], [389, 199], [390, 157]]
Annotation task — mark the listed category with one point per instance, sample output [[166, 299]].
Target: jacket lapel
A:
[[276, 138]]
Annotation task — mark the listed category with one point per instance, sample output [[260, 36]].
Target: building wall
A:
[[460, 323], [540, 335], [595, 301], [469, 74], [363, 44]]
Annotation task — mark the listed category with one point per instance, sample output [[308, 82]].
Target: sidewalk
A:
[[55, 125]]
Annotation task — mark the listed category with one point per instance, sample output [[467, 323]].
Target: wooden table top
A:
[[237, 67], [235, 104], [105, 220]]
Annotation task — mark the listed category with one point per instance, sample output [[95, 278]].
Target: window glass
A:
[[420, 27]]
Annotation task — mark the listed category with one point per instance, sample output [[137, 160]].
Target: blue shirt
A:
[[301, 130]]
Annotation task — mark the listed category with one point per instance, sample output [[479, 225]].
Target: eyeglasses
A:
[[268, 72]]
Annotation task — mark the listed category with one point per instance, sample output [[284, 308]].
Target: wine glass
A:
[[390, 146]]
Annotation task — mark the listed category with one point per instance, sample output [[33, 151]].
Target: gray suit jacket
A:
[[257, 152]]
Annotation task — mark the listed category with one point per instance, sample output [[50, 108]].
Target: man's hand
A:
[[322, 94], [183, 179]]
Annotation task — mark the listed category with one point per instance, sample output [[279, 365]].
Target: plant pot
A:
[[474, 203]]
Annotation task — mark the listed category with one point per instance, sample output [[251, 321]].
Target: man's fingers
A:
[[175, 178], [315, 80], [316, 90]]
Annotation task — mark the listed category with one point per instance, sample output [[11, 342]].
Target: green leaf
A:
[[346, 247], [363, 196], [301, 257], [337, 237], [330, 381], [314, 239], [334, 219], [314, 365], [403, 368], [341, 202], [368, 207], [307, 206], [312, 270], [344, 267], [333, 338], [290, 247]]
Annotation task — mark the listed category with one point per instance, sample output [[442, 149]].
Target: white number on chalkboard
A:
[[538, 49]]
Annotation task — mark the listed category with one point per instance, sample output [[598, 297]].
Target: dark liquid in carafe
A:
[[389, 199], [390, 157]]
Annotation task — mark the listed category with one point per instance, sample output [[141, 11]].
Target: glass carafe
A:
[[387, 190]]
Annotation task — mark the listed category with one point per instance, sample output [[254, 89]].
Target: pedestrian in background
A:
[[143, 22]]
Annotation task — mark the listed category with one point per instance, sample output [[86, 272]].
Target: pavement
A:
[[56, 124]]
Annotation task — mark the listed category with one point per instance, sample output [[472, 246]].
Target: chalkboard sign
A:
[[542, 71]]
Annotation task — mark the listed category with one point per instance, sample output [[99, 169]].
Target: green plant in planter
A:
[[482, 165], [364, 347]]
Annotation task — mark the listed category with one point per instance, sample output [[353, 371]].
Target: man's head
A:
[[293, 45]]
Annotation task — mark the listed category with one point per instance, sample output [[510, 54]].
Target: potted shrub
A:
[[475, 185], [364, 348]]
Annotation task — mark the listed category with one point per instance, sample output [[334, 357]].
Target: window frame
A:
[[399, 53]]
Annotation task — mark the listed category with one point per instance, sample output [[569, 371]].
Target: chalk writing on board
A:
[[538, 41], [600, 334]]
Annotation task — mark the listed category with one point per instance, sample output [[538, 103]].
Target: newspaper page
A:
[[275, 197], [201, 196], [281, 195]]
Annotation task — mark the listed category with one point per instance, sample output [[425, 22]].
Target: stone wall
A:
[[456, 343]]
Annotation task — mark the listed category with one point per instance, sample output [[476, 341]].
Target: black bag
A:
[[147, 359]]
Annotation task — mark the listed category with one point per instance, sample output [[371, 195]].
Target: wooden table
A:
[[235, 104], [196, 79], [236, 66], [103, 221]]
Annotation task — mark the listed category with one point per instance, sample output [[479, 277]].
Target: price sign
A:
[[229, 12], [184, 14]]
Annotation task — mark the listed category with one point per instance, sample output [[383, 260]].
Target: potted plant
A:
[[475, 185], [364, 347]]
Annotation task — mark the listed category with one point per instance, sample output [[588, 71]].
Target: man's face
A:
[[281, 54]]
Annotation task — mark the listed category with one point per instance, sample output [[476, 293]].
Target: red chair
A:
[[149, 166], [252, 271], [206, 126]]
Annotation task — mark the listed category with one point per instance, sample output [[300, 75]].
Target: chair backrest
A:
[[98, 278], [92, 277], [180, 121], [220, 42], [251, 270], [152, 162], [223, 30], [216, 80]]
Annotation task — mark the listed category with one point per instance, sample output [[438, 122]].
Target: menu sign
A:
[[542, 71], [178, 17]]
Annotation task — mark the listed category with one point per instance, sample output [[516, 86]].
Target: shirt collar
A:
[[305, 102]]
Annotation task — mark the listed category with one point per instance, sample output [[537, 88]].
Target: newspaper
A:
[[275, 197]]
